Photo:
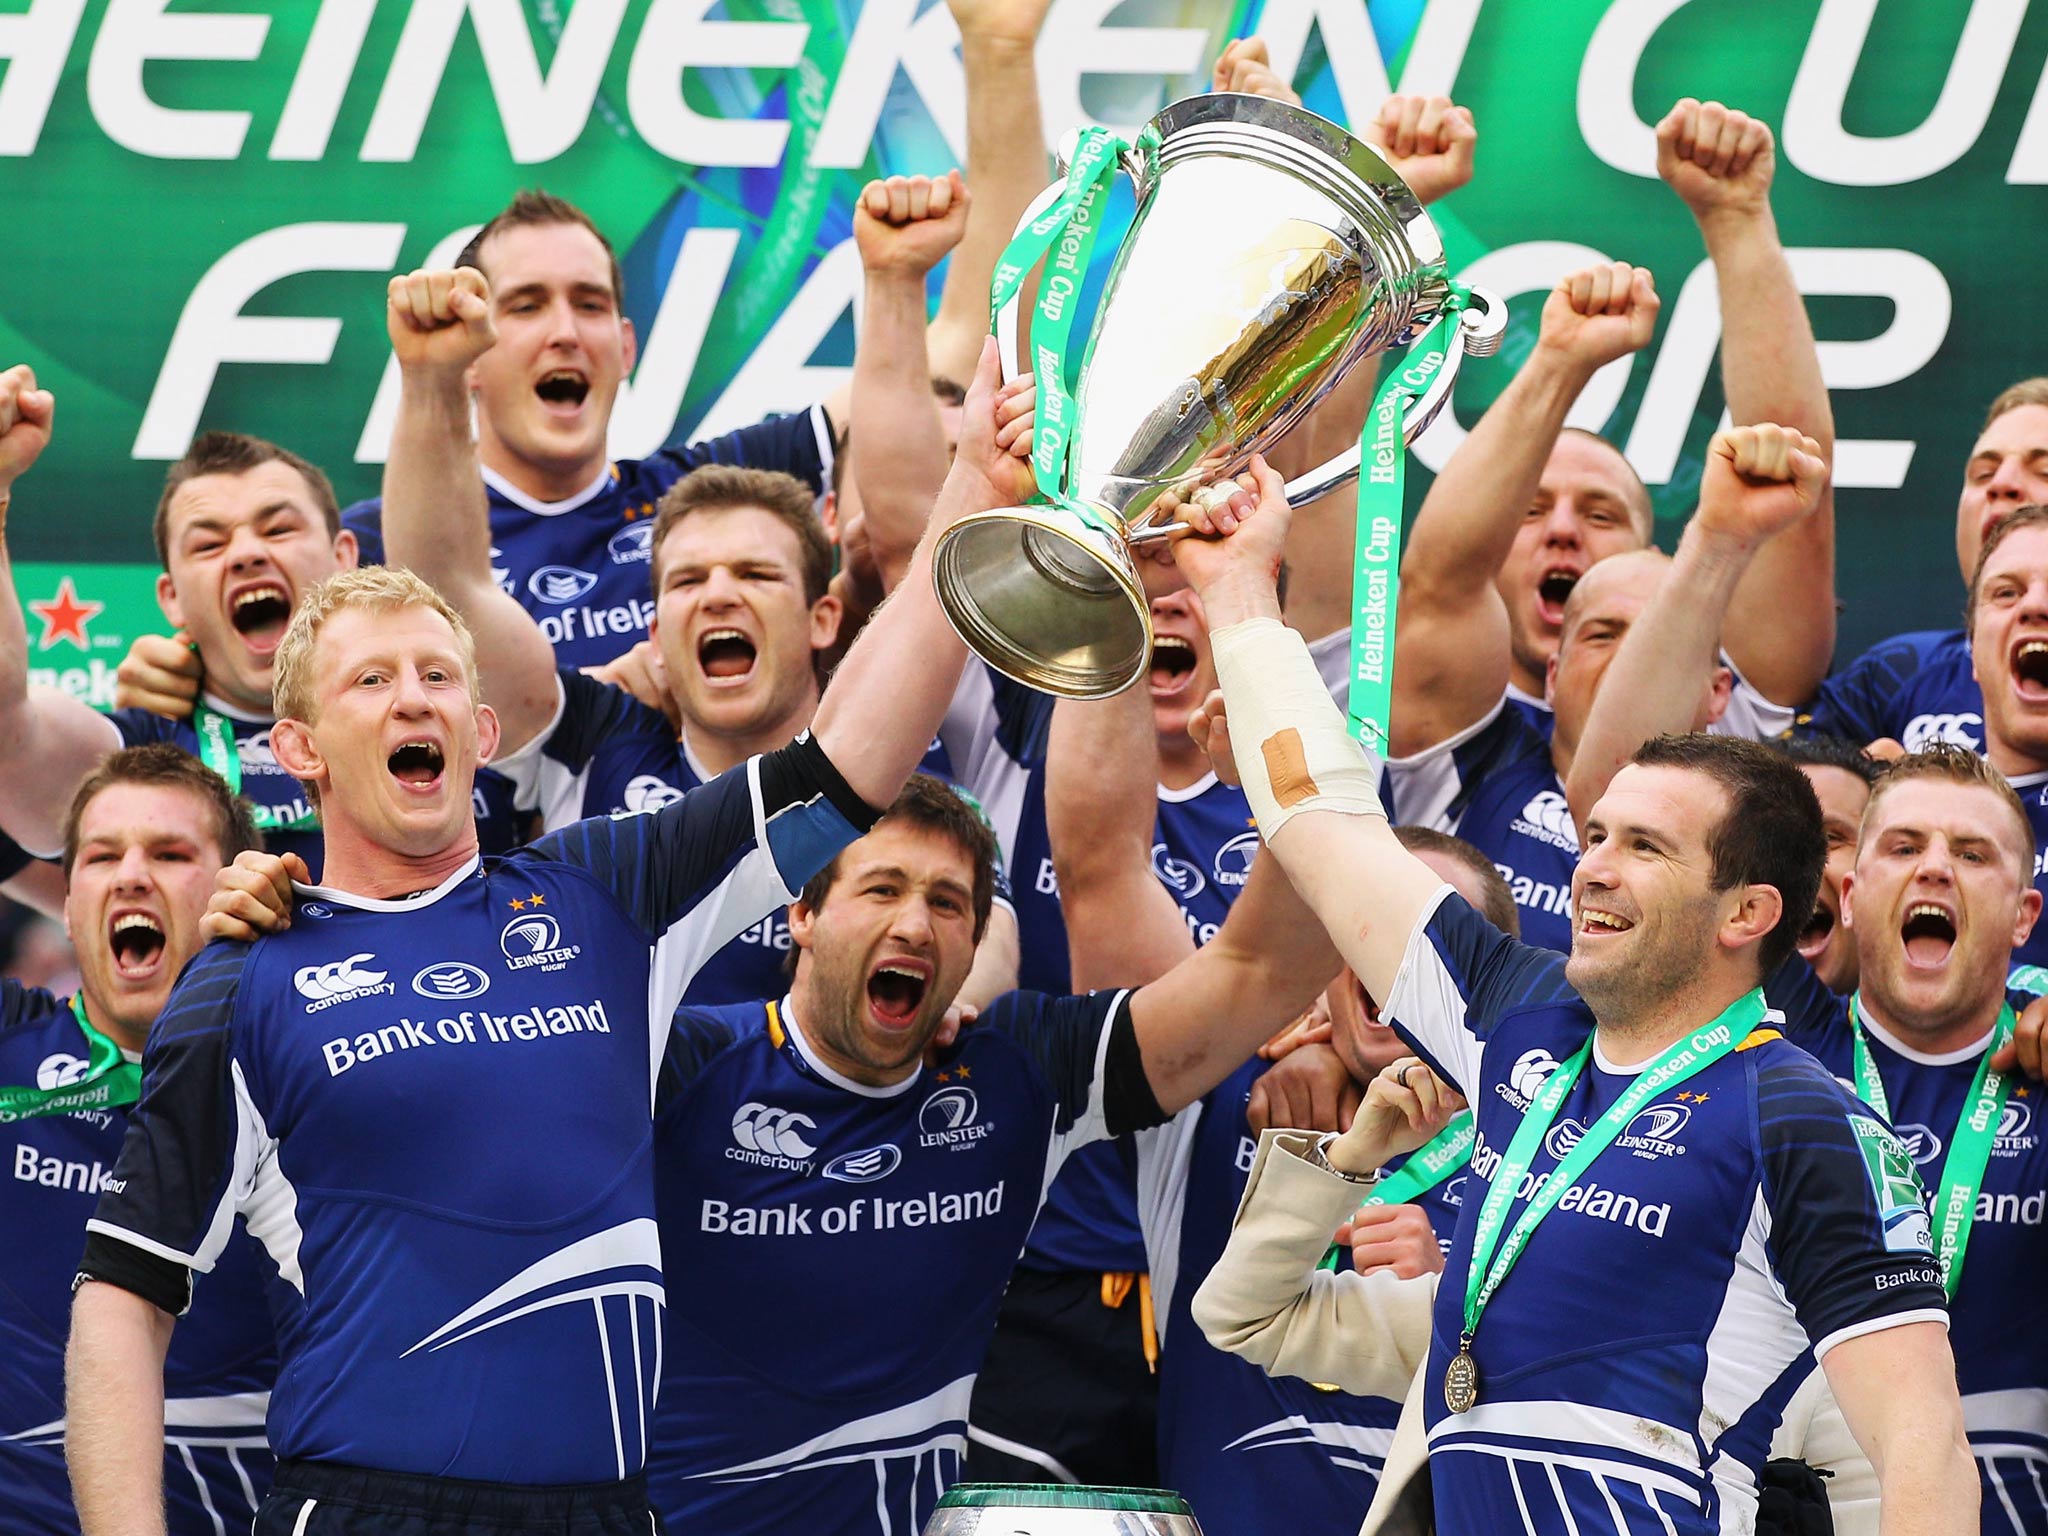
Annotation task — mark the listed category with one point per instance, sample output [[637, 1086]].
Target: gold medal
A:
[[1461, 1382]]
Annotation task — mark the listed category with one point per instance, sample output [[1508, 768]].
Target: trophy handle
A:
[[1478, 334]]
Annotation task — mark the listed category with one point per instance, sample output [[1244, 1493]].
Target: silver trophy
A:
[[1270, 252]]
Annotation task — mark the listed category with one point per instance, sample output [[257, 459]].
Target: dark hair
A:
[[2015, 521], [1638, 493], [935, 806], [1771, 834], [1946, 761], [1831, 752], [160, 763], [1498, 908], [724, 487], [534, 207], [236, 453], [946, 392]]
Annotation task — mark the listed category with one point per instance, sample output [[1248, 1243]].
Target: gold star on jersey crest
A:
[[535, 899]]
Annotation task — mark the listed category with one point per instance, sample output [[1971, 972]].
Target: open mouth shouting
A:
[[726, 657], [259, 611], [417, 764], [896, 990], [2029, 666], [1552, 588], [1173, 666], [1820, 927], [136, 940], [562, 391], [1929, 932]]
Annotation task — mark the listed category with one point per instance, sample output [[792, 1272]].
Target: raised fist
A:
[[1245, 66], [1599, 314], [1716, 158], [25, 416], [1429, 140], [999, 21], [440, 322], [1759, 481], [907, 224]]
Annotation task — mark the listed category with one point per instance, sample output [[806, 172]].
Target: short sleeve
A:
[[1850, 1236], [798, 444], [1068, 1039], [1458, 977], [1860, 703]]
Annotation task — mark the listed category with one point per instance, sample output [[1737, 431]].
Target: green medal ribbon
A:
[[1376, 572], [1449, 1150], [1070, 224], [1969, 1147], [1492, 1257], [217, 750], [109, 1081]]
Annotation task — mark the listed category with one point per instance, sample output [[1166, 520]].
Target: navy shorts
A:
[[314, 1498]]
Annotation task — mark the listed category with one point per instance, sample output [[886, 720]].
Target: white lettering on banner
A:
[[795, 1218], [131, 35], [31, 1167], [213, 330], [332, 50], [884, 37], [676, 36], [35, 44], [777, 375], [93, 682], [465, 1028]]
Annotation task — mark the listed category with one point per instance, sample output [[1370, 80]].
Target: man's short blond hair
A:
[[1948, 763], [381, 588]]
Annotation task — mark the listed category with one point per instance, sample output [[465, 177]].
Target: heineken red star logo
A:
[[65, 616]]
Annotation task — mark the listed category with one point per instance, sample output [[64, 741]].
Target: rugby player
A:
[[244, 528], [1597, 1363], [459, 1190], [146, 833], [1940, 898], [1923, 687]]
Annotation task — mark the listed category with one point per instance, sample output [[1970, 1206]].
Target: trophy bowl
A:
[[1059, 1509], [1269, 253]]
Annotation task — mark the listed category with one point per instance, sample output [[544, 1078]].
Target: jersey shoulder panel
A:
[[1062, 1037], [23, 1008]]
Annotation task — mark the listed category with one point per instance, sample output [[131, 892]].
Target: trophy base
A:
[[1046, 599]]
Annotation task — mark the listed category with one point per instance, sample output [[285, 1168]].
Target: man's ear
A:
[[167, 599], [347, 555], [1848, 918], [488, 734], [828, 516], [629, 341], [2030, 913], [1550, 680], [802, 923], [291, 743], [826, 615], [1756, 912]]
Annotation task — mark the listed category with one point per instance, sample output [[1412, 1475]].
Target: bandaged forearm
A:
[[1293, 751]]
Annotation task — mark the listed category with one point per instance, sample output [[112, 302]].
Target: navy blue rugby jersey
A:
[[268, 786], [580, 566], [1915, 688], [436, 1114], [836, 1253], [1495, 786], [606, 754], [1229, 1434], [1606, 1405], [223, 1354], [2001, 1369]]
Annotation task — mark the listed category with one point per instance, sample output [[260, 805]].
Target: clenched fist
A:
[[440, 322], [1759, 481], [1716, 158], [1599, 314], [1429, 140], [1245, 66], [907, 224], [25, 416]]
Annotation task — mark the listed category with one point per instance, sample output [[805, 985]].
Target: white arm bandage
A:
[[1293, 751]]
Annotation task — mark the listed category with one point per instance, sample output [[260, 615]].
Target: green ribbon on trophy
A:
[[217, 749], [1969, 1145], [1493, 1257], [1071, 224], [109, 1081], [1444, 1154], [1382, 482]]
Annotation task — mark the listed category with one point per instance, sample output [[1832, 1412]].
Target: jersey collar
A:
[[526, 503], [1898, 1047], [221, 706], [410, 903], [839, 1079], [1194, 791]]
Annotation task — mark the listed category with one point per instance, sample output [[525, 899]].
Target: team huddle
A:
[[599, 1013]]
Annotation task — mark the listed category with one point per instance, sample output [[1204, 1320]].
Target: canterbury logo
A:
[[1531, 1071], [764, 1128], [337, 978]]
